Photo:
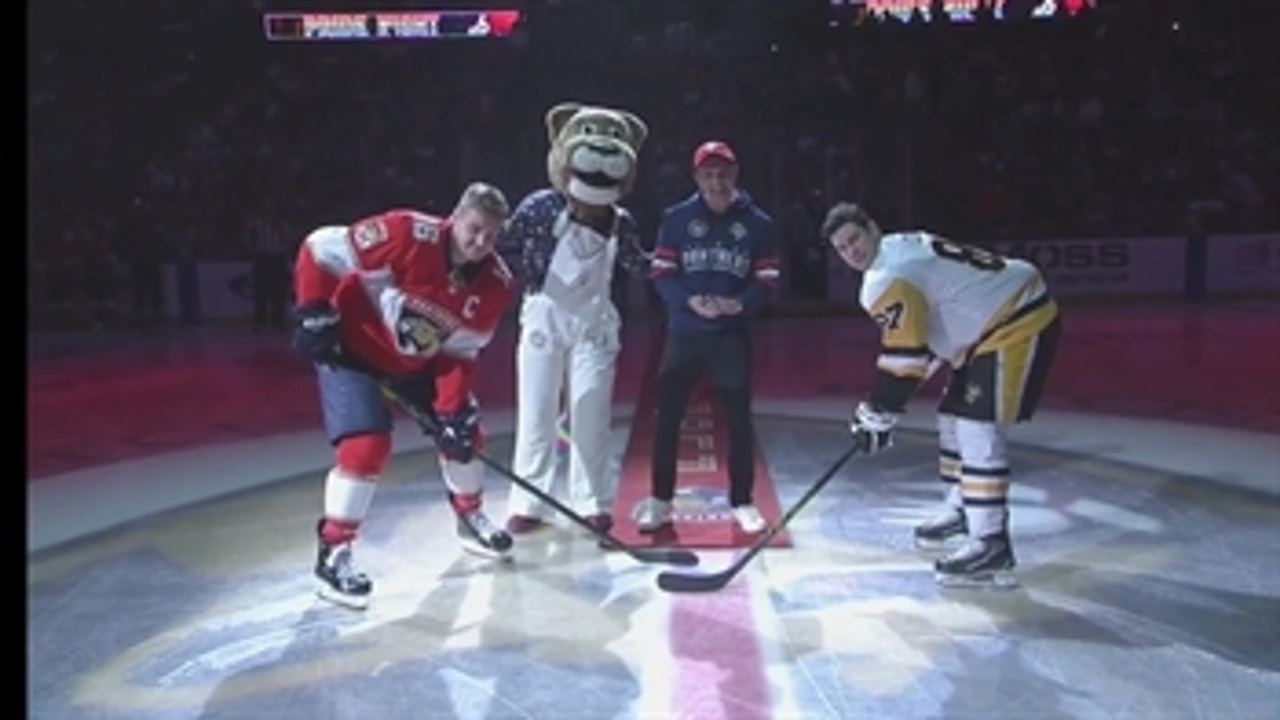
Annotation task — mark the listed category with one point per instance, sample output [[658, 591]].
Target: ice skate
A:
[[980, 562], [337, 579], [652, 515], [479, 536], [946, 530]]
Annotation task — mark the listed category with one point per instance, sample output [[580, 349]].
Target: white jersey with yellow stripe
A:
[[933, 297]]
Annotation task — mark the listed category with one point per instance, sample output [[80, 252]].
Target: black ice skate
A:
[[479, 536], [337, 580], [943, 531], [985, 562]]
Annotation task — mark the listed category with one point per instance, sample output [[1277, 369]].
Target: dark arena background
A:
[[176, 458]]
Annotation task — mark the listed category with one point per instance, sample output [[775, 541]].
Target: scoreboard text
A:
[[399, 25]]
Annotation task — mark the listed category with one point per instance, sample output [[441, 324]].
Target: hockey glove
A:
[[458, 432], [872, 428], [316, 335]]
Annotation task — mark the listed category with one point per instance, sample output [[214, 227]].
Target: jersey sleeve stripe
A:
[[466, 343], [768, 276], [331, 249], [659, 267], [904, 367], [913, 351]]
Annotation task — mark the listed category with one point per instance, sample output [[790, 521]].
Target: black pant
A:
[[979, 390], [726, 359]]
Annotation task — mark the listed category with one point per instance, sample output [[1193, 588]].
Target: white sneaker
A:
[[652, 514], [749, 519]]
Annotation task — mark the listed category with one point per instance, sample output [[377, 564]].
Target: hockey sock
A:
[[949, 473], [465, 504], [462, 478], [337, 532], [949, 460], [985, 520], [347, 497], [985, 499], [349, 487]]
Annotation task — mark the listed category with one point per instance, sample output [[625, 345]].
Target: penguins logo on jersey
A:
[[972, 393]]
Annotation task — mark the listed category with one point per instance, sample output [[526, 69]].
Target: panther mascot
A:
[[570, 236]]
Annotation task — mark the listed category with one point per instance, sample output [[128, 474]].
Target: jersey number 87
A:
[[974, 257]]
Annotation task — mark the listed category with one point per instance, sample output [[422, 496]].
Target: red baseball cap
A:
[[713, 150]]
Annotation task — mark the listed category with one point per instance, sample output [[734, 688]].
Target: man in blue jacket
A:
[[714, 266]]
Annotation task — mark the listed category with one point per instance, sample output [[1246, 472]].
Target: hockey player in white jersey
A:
[[994, 322]]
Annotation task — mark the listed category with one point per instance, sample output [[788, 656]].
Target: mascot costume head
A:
[[594, 152]]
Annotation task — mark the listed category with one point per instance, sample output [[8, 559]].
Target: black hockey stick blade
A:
[[658, 556], [675, 582], [687, 583], [665, 556]]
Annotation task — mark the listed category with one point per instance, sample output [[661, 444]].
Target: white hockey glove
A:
[[872, 428]]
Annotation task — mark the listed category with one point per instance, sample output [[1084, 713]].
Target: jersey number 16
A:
[[974, 257]]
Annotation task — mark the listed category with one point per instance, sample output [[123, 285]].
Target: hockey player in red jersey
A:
[[411, 298]]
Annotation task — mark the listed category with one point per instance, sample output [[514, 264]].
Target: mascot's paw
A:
[[524, 524]]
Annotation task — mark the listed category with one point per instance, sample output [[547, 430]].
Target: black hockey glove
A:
[[872, 428], [316, 335], [457, 434]]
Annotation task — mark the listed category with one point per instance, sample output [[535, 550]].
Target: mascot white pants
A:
[[568, 334]]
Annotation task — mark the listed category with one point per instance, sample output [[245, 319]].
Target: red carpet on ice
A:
[[702, 515]]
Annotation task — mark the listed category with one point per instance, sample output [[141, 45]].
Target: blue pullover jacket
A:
[[701, 253]]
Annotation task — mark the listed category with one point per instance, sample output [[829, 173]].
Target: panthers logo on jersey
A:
[[417, 335]]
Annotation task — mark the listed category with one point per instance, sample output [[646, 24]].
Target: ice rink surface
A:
[[169, 561]]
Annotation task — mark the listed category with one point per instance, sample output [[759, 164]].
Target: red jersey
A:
[[402, 307]]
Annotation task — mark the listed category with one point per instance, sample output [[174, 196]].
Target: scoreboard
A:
[[392, 25], [961, 11]]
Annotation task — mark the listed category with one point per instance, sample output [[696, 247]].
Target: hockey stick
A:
[[667, 556], [710, 582]]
